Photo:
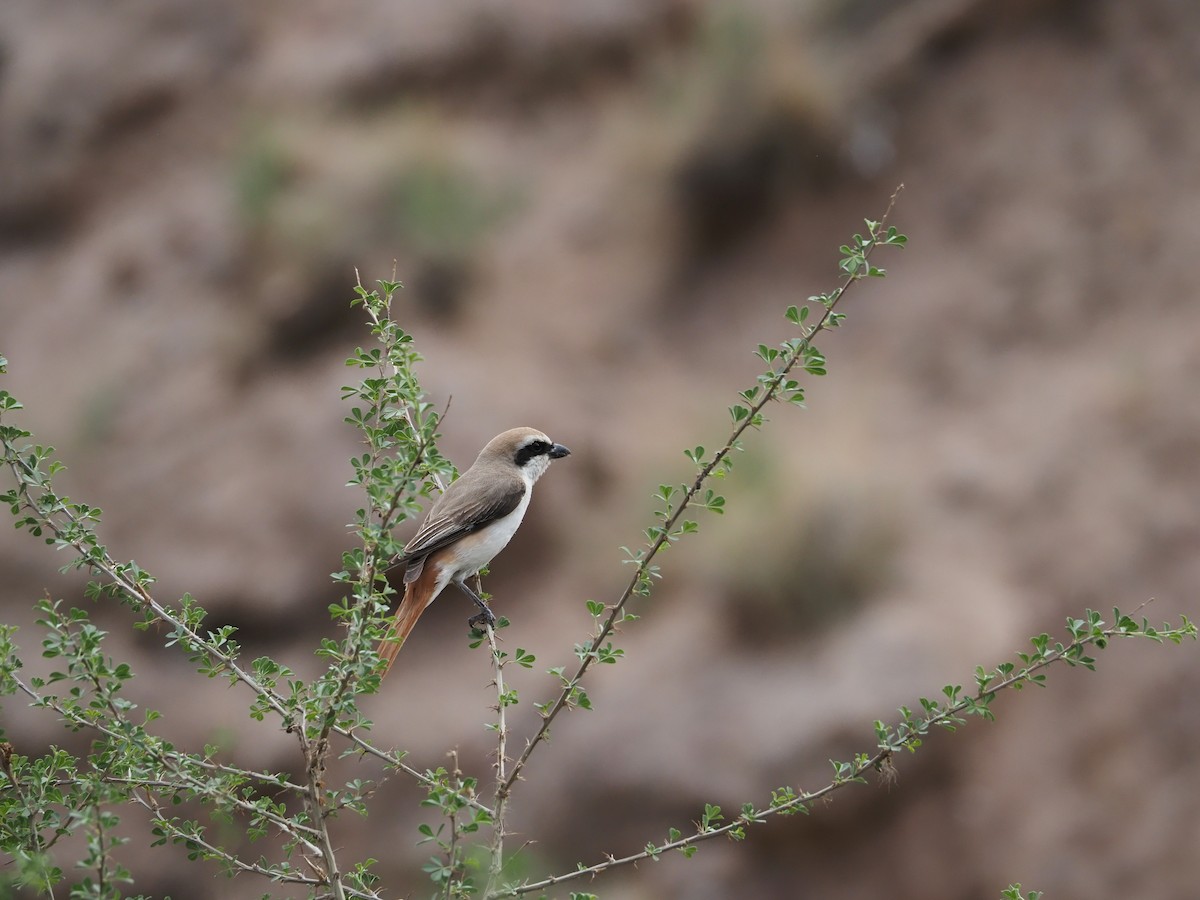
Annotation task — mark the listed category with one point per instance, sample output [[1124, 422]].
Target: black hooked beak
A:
[[558, 451]]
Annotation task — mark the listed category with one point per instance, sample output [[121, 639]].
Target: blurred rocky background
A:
[[599, 209]]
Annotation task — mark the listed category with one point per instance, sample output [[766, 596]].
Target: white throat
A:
[[535, 469]]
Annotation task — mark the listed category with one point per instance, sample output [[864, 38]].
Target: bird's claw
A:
[[485, 618]]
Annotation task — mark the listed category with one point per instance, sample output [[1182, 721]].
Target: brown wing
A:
[[468, 505]]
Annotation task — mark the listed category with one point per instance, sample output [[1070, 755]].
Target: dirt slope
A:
[[599, 211]]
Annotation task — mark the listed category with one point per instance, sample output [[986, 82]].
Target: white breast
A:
[[475, 551]]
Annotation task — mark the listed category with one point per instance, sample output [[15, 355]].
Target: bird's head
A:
[[526, 448]]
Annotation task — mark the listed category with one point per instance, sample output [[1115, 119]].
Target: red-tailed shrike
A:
[[468, 525]]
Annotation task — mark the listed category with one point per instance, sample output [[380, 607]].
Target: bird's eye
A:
[[531, 450]]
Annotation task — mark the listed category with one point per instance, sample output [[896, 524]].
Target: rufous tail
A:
[[416, 598]]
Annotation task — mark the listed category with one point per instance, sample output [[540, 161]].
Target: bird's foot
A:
[[485, 618]]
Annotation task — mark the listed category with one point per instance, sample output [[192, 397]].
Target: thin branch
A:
[[317, 754], [395, 762], [176, 764], [366, 584], [316, 771], [384, 369], [314, 752], [286, 876], [437, 479], [102, 860], [452, 846], [617, 610], [367, 591], [102, 562], [502, 788], [946, 717], [289, 827]]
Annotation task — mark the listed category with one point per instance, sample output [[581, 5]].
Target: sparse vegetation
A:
[[192, 796]]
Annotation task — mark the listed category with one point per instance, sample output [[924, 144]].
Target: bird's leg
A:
[[485, 616]]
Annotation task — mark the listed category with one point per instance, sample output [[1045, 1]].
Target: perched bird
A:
[[468, 525]]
